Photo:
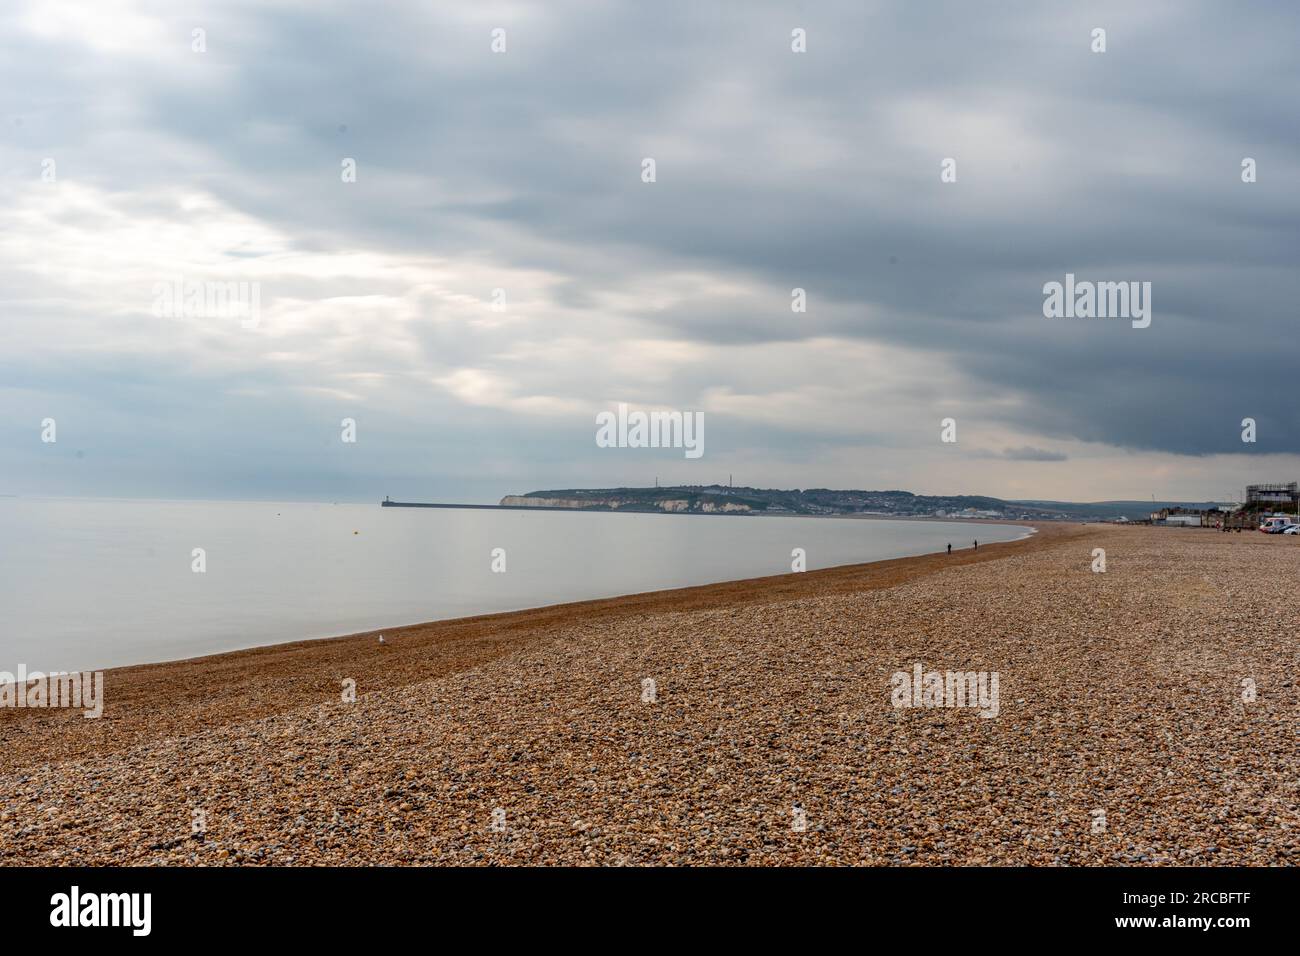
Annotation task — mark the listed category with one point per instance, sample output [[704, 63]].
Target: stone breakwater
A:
[[1123, 736]]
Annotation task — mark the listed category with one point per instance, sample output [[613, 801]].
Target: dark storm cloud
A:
[[1182, 95]]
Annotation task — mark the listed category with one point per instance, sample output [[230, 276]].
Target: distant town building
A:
[[1274, 494], [1187, 517], [972, 513]]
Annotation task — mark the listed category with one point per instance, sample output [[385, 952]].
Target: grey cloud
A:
[[1029, 453]]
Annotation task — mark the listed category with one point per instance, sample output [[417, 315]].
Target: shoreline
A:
[[323, 631], [155, 698], [613, 599]]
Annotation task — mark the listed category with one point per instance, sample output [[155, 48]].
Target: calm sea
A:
[[88, 584]]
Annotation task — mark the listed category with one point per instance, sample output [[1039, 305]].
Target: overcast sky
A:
[[522, 171]]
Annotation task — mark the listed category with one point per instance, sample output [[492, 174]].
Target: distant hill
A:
[[723, 499]]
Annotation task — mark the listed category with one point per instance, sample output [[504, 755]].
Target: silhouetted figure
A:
[[977, 545], [950, 547]]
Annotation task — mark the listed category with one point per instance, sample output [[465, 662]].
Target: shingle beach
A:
[[1147, 715]]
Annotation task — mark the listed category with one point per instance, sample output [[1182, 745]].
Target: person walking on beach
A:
[[950, 547], [977, 545]]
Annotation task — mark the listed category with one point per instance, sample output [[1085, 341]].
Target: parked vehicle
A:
[[1275, 525], [1291, 529]]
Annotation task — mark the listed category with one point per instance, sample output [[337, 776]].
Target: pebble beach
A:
[[1149, 715]]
